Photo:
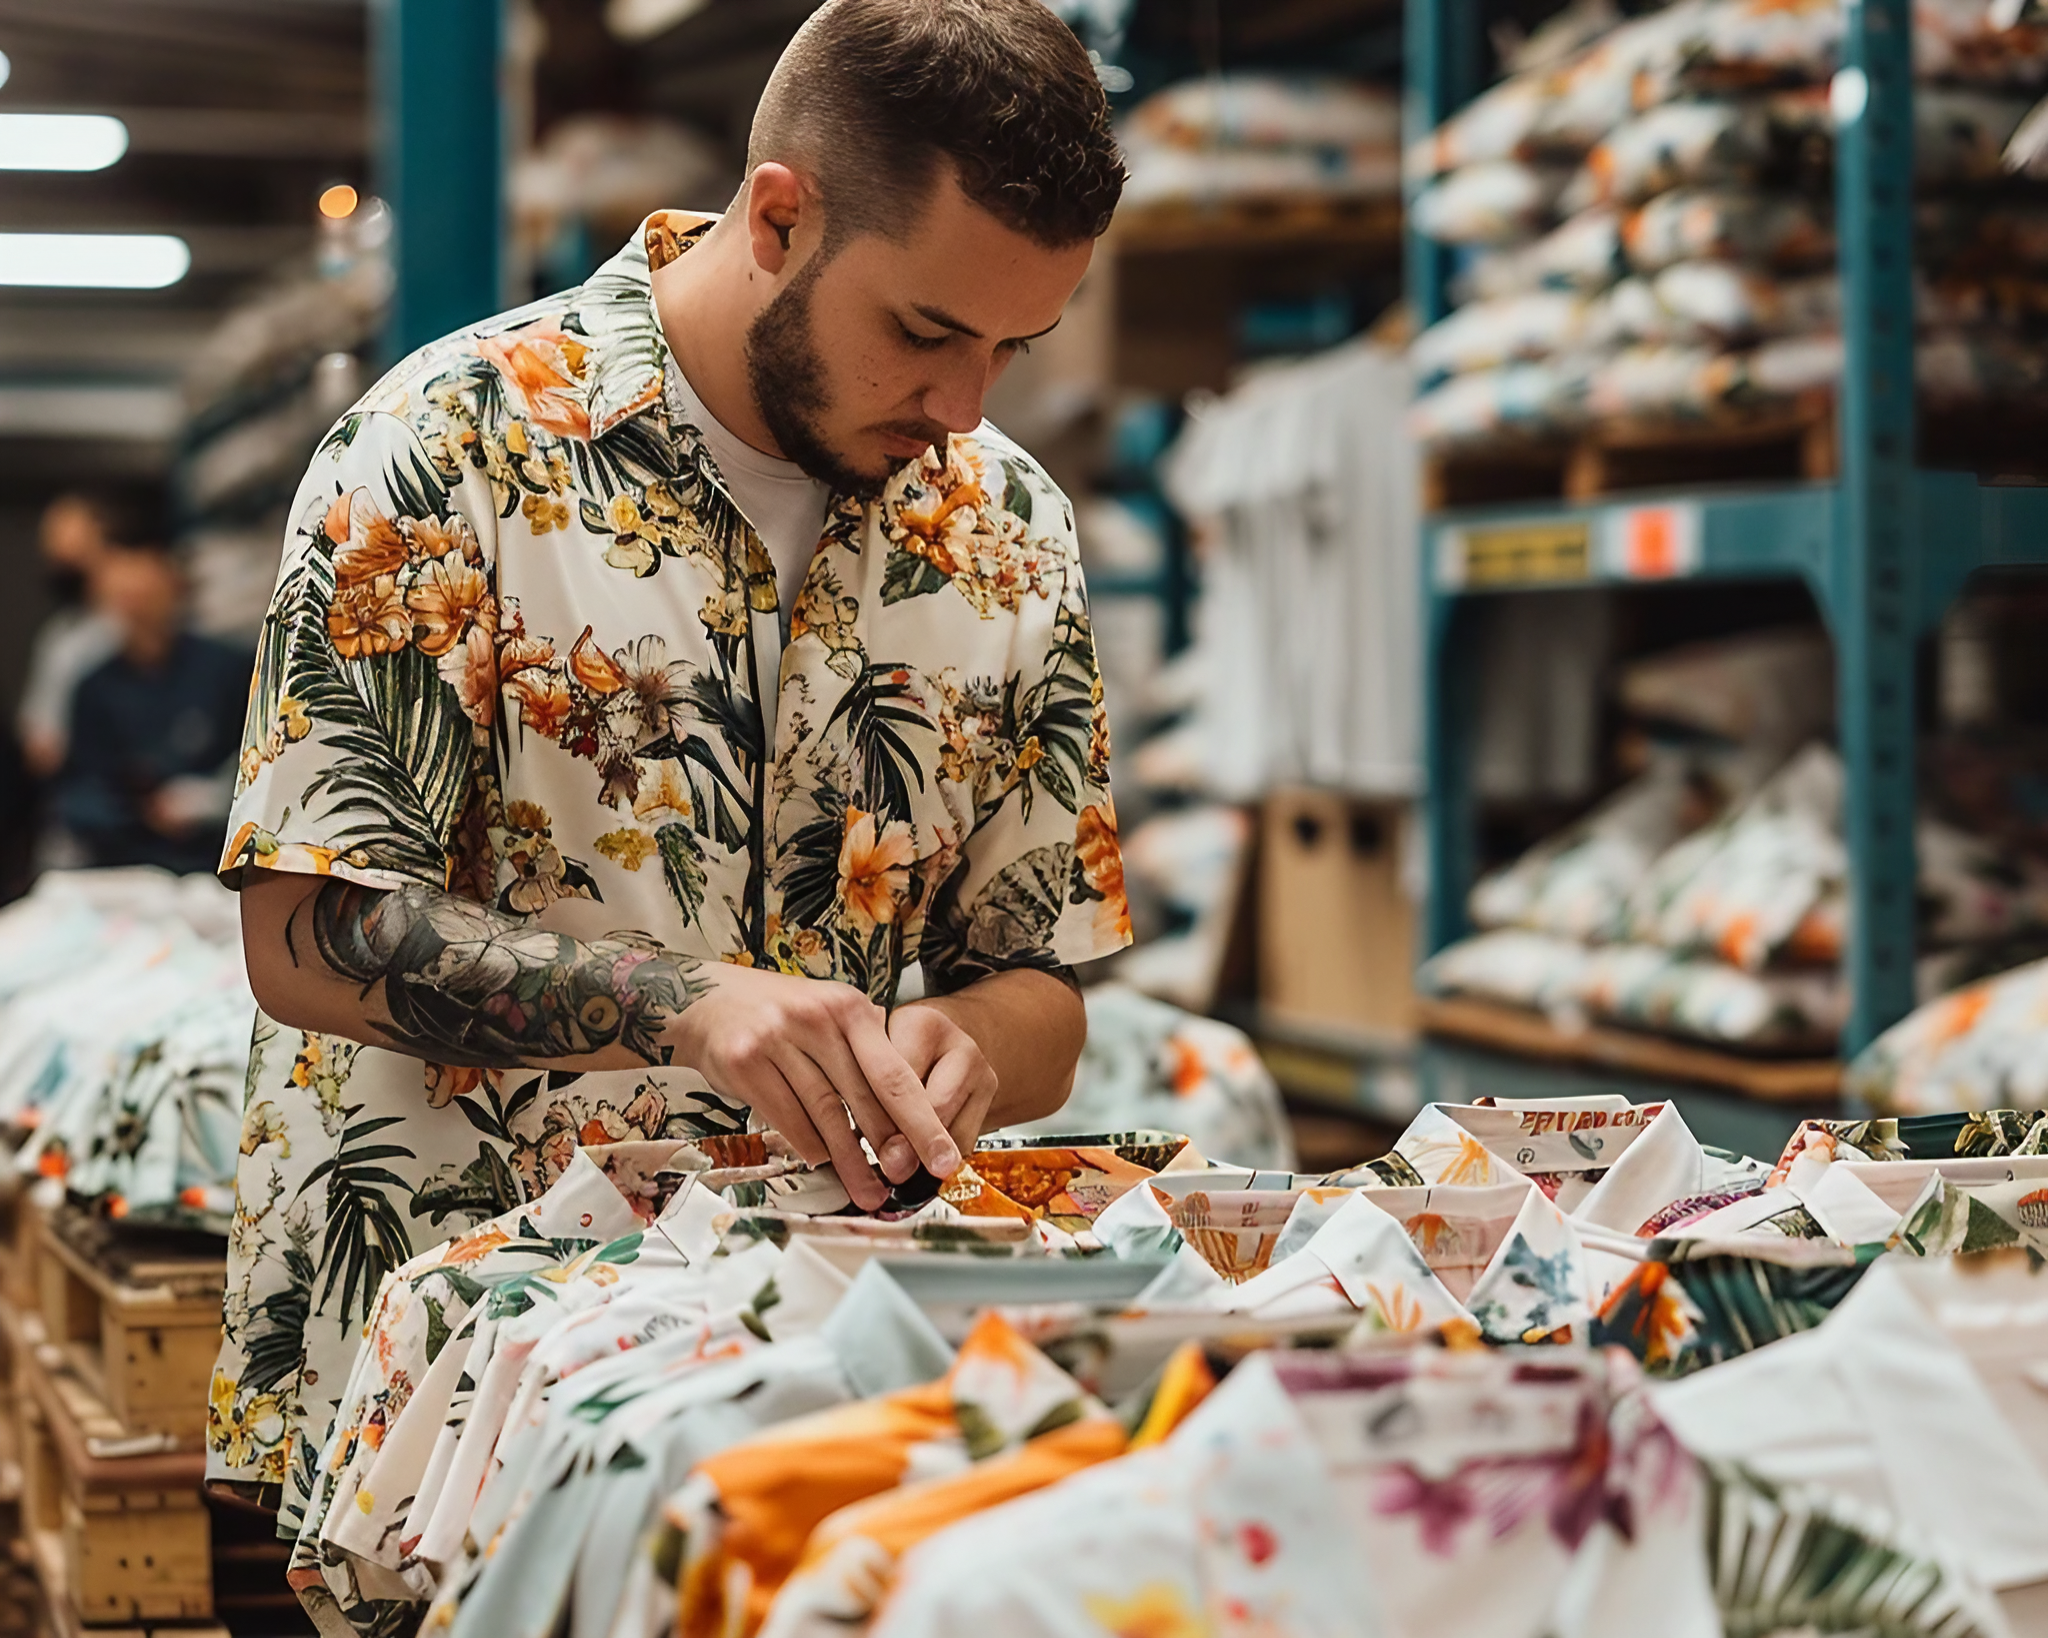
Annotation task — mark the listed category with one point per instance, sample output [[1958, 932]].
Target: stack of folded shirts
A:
[[1544, 1367]]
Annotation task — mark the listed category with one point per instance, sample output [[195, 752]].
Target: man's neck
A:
[[706, 300]]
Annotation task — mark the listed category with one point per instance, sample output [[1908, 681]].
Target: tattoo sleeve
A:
[[468, 985]]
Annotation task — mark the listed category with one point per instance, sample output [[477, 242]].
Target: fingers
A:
[[827, 1114], [901, 1093], [962, 1088], [829, 1052], [770, 1096]]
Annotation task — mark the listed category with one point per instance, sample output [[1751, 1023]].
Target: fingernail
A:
[[949, 1160], [898, 1157]]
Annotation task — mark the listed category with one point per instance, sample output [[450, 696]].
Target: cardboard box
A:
[[1336, 927]]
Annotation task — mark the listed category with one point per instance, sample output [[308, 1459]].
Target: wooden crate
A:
[[141, 1330], [123, 1540]]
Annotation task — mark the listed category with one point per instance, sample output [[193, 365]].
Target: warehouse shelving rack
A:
[[1884, 549]]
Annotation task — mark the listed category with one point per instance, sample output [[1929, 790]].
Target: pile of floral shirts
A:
[[1648, 225], [1729, 931], [1545, 1368], [125, 1015]]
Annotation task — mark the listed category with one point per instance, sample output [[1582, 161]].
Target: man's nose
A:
[[954, 400]]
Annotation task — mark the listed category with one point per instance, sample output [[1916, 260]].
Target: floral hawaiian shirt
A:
[[525, 647]]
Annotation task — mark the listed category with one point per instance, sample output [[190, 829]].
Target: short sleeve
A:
[[1040, 879], [370, 711]]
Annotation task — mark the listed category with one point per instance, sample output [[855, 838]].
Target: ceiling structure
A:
[[238, 113]]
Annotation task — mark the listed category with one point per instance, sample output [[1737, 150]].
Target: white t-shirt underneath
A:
[[785, 504]]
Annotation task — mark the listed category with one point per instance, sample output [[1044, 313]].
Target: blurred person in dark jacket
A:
[[150, 765]]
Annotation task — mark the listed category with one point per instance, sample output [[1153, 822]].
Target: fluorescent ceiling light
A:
[[60, 142], [6, 68], [94, 261]]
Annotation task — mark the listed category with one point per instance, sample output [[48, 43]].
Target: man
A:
[[658, 671], [151, 753]]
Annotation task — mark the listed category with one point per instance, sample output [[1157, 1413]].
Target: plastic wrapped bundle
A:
[[1697, 224], [1700, 383], [1740, 888], [1718, 300], [1487, 204], [1640, 986], [1269, 111], [1672, 145], [1525, 398], [1957, 367], [1626, 314], [1583, 253], [1616, 76], [1487, 333], [1262, 135], [1495, 125], [1512, 965], [1647, 988], [1982, 1047], [1576, 884]]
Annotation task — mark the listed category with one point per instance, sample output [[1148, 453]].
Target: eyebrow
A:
[[945, 320]]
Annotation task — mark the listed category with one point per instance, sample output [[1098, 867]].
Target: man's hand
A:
[[959, 1081], [806, 1054]]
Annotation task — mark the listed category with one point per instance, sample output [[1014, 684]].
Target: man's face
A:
[[867, 359]]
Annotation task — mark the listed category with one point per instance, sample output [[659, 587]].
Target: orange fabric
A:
[[1184, 1384], [899, 1521], [774, 1491]]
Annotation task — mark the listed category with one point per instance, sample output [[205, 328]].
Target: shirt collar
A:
[[615, 313]]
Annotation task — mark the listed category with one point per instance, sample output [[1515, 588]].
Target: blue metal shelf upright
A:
[[1884, 549]]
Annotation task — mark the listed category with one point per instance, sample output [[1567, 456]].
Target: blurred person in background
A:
[[149, 765], [74, 638]]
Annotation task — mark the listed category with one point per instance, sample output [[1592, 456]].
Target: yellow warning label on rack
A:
[[1517, 554]]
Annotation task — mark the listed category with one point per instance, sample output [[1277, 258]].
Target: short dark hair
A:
[[873, 96], [133, 516]]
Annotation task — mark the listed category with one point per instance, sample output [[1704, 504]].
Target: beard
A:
[[787, 375], [788, 378]]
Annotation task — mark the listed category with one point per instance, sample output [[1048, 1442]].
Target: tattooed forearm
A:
[[468, 985]]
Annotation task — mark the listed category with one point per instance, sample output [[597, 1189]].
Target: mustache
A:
[[924, 432]]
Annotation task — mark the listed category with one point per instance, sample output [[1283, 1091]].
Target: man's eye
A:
[[924, 344]]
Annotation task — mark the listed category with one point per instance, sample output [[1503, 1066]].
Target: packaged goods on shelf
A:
[[1699, 137], [1489, 204], [1981, 1047], [1252, 136], [641, 1404], [125, 1018], [1783, 231], [1657, 913]]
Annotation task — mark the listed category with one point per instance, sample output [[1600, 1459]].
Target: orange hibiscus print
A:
[[369, 618], [545, 367], [449, 596], [543, 699], [874, 868]]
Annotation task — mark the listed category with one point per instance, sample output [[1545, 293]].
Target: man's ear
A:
[[776, 203]]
